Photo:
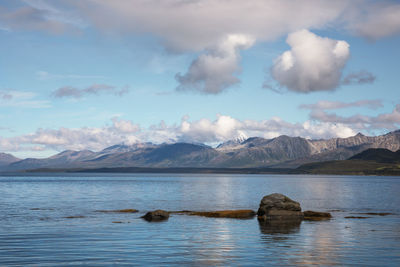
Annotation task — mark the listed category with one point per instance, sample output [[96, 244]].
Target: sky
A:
[[89, 74]]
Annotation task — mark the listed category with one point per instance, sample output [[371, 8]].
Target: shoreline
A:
[[188, 170]]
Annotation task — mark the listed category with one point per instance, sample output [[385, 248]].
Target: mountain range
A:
[[254, 152]]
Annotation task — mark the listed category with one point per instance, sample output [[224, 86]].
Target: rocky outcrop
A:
[[278, 207], [157, 215], [237, 214], [316, 215]]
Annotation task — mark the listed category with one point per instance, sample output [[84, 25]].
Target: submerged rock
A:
[[375, 213], [237, 214], [356, 217], [118, 211], [310, 215], [279, 207], [75, 217], [157, 215]]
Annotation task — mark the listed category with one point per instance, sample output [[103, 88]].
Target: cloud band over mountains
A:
[[321, 124]]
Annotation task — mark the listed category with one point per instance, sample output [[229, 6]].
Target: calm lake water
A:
[[34, 229]]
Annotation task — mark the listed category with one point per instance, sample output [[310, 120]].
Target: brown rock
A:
[[237, 214], [157, 215], [280, 208], [281, 215], [316, 215]]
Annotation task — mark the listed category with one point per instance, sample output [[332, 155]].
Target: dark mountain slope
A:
[[381, 155]]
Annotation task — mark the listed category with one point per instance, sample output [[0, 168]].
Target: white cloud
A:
[[313, 64], [125, 126], [221, 129], [320, 125], [216, 70], [194, 25]]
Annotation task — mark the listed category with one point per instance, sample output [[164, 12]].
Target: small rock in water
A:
[[316, 215], [356, 217], [375, 213], [157, 215], [75, 217], [118, 211], [279, 207], [237, 214]]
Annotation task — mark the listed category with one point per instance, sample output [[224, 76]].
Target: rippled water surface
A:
[[50, 220]]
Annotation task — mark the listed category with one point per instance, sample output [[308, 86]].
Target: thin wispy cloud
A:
[[371, 104], [360, 77], [95, 89], [44, 75], [22, 99]]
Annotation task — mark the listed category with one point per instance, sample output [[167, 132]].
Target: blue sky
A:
[[89, 74]]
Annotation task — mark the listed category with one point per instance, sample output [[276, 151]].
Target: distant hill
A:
[[381, 155], [373, 161], [6, 159], [254, 152]]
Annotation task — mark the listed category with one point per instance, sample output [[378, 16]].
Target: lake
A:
[[35, 230]]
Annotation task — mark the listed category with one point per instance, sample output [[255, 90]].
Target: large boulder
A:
[[278, 207], [157, 215]]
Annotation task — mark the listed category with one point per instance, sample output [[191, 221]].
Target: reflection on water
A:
[[47, 220], [279, 227]]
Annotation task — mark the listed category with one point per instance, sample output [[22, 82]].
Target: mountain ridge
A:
[[254, 152]]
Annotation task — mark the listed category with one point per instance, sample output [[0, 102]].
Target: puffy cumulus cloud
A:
[[207, 131], [182, 26], [214, 71], [313, 64], [95, 89], [372, 104], [125, 126]]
